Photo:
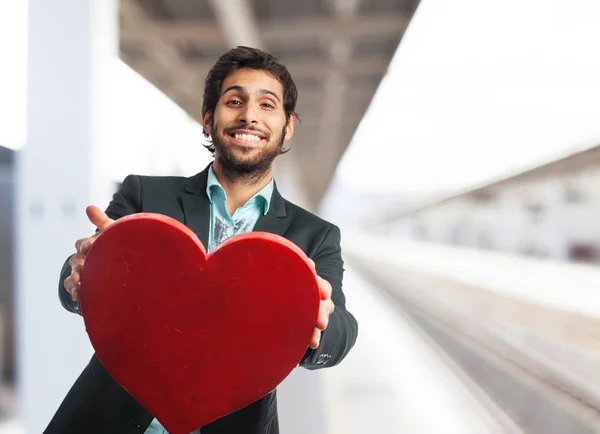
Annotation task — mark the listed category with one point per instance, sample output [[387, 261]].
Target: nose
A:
[[249, 114]]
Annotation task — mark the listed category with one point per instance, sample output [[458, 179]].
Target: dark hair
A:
[[246, 57]]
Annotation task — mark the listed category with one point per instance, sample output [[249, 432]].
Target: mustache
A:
[[247, 128]]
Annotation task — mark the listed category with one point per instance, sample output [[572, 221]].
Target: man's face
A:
[[248, 126]]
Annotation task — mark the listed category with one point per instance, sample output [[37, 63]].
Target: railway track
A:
[[522, 389]]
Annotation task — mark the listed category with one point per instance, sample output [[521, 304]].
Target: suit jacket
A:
[[96, 404]]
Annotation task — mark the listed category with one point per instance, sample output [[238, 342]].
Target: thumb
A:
[[98, 217]]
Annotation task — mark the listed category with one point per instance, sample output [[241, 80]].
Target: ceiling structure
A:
[[336, 50]]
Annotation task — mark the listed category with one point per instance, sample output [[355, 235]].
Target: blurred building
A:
[[550, 211]]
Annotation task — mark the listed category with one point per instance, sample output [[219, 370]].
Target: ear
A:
[[207, 122], [289, 128]]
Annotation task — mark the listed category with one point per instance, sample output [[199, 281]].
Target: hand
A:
[[82, 246], [325, 309]]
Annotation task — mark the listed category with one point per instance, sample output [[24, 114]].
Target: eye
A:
[[268, 105], [233, 102]]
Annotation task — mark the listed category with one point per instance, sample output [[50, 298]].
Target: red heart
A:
[[194, 337]]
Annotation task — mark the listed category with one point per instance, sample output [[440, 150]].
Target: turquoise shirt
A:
[[224, 226]]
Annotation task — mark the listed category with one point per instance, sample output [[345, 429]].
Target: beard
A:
[[246, 164]]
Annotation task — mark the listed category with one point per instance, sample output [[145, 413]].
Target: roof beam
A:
[[237, 22], [164, 56], [331, 140], [276, 33], [364, 66]]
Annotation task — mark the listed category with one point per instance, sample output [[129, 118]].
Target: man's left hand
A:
[[325, 309]]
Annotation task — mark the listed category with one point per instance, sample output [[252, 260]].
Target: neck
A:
[[240, 187]]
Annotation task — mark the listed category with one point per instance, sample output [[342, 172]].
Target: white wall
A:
[[63, 167]]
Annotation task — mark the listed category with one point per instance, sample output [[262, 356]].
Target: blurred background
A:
[[456, 143]]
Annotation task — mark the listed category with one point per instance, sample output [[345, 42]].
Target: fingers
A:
[[76, 262], [87, 243], [83, 245], [315, 339], [98, 217], [326, 306], [325, 310], [73, 282], [71, 285], [78, 246], [324, 288]]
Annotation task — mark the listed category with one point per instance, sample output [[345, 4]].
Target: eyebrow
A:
[[243, 90]]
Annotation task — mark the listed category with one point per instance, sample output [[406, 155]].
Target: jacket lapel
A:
[[196, 206], [196, 210], [275, 221]]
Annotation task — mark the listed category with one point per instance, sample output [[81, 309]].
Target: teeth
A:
[[248, 137]]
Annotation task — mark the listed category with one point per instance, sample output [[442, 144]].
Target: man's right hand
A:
[[101, 221]]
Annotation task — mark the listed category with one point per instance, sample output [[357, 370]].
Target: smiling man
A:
[[249, 113]]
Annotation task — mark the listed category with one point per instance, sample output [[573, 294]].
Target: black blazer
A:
[[96, 404]]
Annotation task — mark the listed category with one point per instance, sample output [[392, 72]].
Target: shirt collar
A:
[[213, 186]]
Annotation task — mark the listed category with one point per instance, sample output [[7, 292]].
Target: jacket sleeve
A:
[[127, 200], [341, 332]]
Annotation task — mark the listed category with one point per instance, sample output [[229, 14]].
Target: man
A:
[[249, 112]]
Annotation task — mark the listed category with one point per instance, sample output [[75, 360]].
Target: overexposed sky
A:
[[479, 89]]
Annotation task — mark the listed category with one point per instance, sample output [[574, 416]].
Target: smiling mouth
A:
[[248, 138]]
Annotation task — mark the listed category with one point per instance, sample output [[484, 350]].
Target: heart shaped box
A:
[[195, 336]]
